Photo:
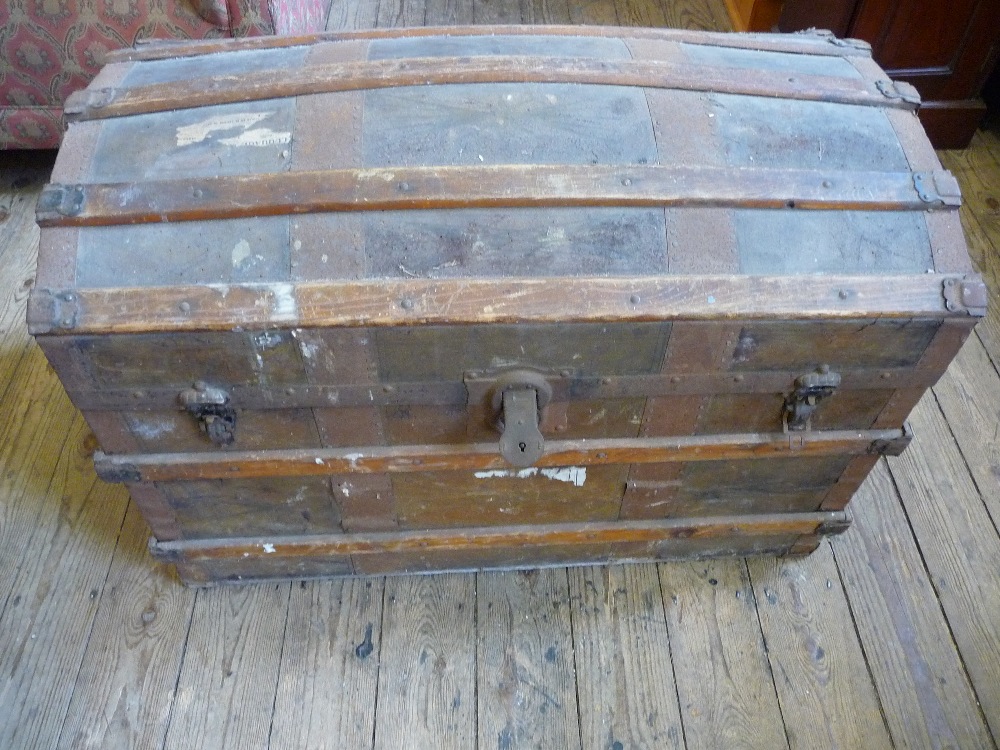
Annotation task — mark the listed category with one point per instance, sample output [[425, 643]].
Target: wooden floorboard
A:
[[887, 636], [822, 678], [124, 692], [724, 680], [918, 672], [959, 544], [327, 685], [624, 675]]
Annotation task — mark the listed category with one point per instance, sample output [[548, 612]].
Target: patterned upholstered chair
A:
[[50, 48]]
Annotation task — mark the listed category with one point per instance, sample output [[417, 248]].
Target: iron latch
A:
[[519, 397], [211, 407], [810, 390]]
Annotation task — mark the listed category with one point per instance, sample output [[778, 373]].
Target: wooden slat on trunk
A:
[[380, 74], [158, 467], [815, 43], [494, 186], [394, 302]]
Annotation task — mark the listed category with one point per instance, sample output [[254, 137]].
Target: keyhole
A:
[[523, 446]]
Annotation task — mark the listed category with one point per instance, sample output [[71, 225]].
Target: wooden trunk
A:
[[300, 286]]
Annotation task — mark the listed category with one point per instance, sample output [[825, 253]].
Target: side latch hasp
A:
[[810, 390]]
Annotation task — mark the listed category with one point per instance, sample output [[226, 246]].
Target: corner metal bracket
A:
[[901, 90], [965, 294], [858, 44], [894, 446], [81, 103], [50, 310], [834, 526], [938, 188], [115, 473], [58, 201]]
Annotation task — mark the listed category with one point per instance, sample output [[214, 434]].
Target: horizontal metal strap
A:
[[813, 42], [580, 299], [482, 457], [495, 186], [569, 388], [188, 93], [484, 538]]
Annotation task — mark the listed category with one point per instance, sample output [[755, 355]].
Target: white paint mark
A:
[[267, 339], [353, 458], [153, 430], [309, 351], [199, 131], [258, 137], [241, 251], [268, 548], [319, 461], [297, 244], [284, 306], [346, 489], [324, 257], [376, 174], [575, 475]]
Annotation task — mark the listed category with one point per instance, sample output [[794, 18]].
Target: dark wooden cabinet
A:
[[945, 49]]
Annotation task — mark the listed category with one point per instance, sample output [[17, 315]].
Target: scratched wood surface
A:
[[886, 637]]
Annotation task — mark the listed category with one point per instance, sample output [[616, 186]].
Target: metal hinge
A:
[[810, 390], [899, 90], [210, 406], [937, 188], [968, 294]]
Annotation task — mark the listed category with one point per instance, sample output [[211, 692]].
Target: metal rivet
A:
[[69, 297], [635, 299], [843, 294], [406, 303], [404, 187], [737, 378], [885, 376], [824, 369], [198, 193], [675, 378], [565, 373], [200, 385], [137, 394], [827, 183], [601, 455], [605, 381], [290, 391], [626, 182], [67, 322], [185, 307], [387, 389]]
